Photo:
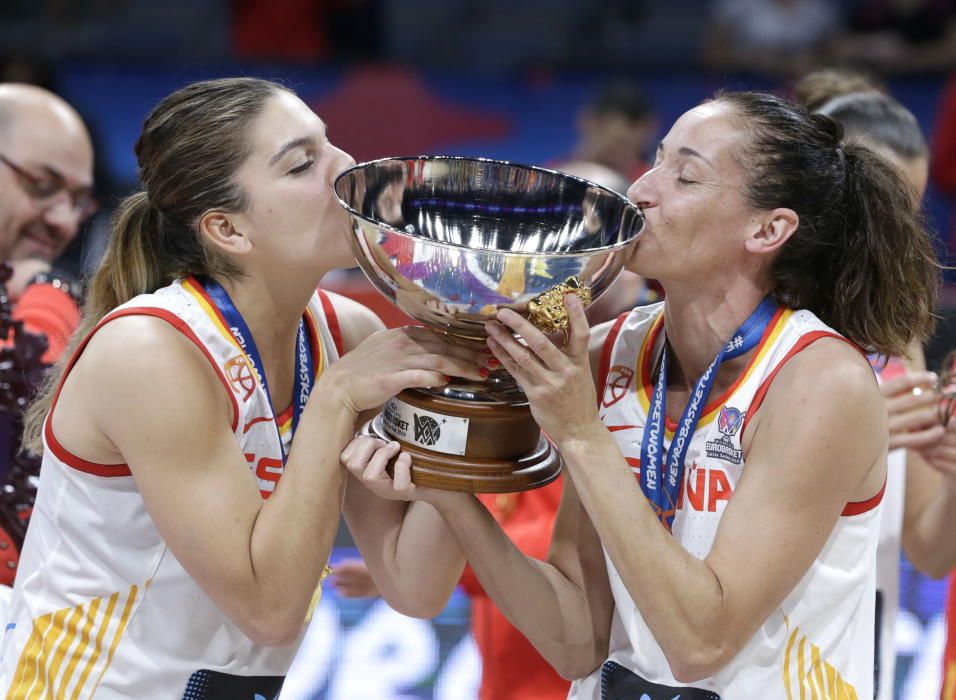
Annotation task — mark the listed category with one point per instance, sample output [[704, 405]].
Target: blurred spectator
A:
[[617, 129], [778, 37], [899, 36], [46, 179], [511, 669]]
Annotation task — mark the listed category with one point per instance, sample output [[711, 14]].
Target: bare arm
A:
[[410, 554], [814, 446], [260, 561], [929, 515], [562, 605], [156, 403]]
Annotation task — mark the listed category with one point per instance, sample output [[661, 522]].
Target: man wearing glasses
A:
[[46, 177]]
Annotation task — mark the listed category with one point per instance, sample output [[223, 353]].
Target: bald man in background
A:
[[46, 180]]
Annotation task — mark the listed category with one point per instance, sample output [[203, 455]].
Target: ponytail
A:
[[131, 266], [871, 273]]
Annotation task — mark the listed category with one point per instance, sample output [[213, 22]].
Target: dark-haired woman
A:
[[166, 557], [740, 547]]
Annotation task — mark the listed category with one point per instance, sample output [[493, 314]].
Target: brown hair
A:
[[819, 87], [861, 259], [191, 146]]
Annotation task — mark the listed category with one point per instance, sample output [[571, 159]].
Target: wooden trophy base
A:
[[471, 446]]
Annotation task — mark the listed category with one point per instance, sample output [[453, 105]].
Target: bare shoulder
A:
[[356, 321], [137, 373], [830, 366], [138, 358], [831, 386]]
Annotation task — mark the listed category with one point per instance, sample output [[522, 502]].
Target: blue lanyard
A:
[[663, 488], [304, 362]]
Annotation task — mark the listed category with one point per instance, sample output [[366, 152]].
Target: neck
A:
[[698, 325], [272, 312]]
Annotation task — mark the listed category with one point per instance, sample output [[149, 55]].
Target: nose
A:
[[343, 161], [641, 192], [61, 216]]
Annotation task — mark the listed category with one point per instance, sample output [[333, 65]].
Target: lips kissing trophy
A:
[[450, 241]]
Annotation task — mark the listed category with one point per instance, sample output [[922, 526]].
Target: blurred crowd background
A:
[[535, 81]]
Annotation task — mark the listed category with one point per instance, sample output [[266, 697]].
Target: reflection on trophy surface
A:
[[450, 241]]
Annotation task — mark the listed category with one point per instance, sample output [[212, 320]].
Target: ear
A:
[[775, 229], [224, 232]]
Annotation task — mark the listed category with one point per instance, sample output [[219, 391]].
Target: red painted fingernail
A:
[[494, 363], [484, 372]]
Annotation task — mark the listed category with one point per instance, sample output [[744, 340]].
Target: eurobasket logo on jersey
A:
[[619, 379], [729, 421], [240, 376]]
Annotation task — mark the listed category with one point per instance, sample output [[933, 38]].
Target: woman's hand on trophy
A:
[[389, 361], [367, 459], [556, 380]]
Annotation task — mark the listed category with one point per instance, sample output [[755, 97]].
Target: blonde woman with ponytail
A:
[[165, 557]]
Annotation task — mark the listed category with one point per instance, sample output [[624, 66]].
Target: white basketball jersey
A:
[[101, 607], [888, 552], [819, 642]]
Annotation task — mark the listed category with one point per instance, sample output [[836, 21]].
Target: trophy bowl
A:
[[450, 241]]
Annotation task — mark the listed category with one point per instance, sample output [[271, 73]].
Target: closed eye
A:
[[302, 168]]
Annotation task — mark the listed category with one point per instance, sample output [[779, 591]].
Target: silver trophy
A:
[[450, 241]]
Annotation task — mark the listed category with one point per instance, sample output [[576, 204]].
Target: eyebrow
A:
[[685, 151], [61, 178], [294, 143]]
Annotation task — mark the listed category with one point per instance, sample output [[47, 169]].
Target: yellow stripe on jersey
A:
[[813, 674], [786, 665], [97, 647], [60, 653], [211, 312], [54, 641], [85, 634], [124, 620]]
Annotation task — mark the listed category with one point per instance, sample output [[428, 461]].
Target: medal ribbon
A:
[[304, 361], [661, 482]]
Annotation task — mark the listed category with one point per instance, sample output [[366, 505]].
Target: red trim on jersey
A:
[[607, 350], [283, 417], [332, 321], [110, 470], [762, 390], [713, 404], [853, 507], [860, 507], [260, 419]]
